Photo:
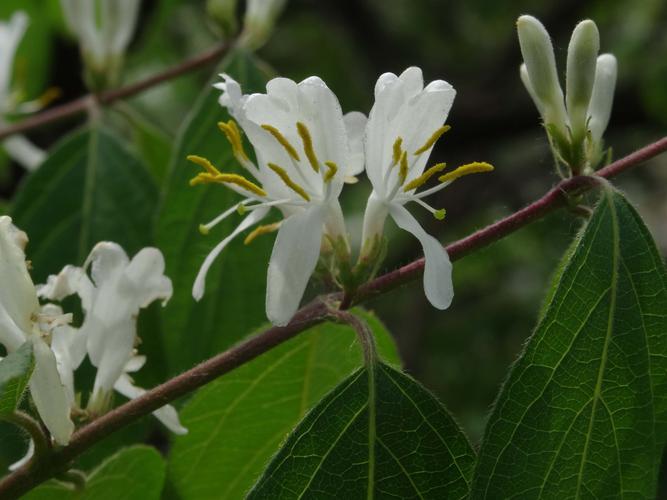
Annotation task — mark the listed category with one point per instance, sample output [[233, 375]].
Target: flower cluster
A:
[[574, 122], [111, 298], [305, 149]]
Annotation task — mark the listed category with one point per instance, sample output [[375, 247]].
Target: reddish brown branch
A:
[[29, 476], [80, 105]]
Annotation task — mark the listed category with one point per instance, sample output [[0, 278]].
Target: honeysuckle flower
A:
[[104, 29], [259, 20], [305, 149], [23, 320], [111, 299], [17, 146], [404, 124], [574, 122]]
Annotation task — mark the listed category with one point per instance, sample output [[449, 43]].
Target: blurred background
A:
[[461, 354]]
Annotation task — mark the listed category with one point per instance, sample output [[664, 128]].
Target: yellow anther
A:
[[403, 172], [331, 172], [423, 178], [288, 181], [203, 229], [440, 214], [233, 135], [202, 178], [282, 140], [204, 163], [240, 181], [398, 150], [241, 209], [308, 148], [433, 139], [260, 230], [470, 168], [49, 96]]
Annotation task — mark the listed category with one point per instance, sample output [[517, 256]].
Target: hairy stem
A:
[[82, 104], [27, 477]]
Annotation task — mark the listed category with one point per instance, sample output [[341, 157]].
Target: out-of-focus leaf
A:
[[238, 422], [584, 411], [135, 473], [15, 372], [90, 189], [233, 304], [379, 434]]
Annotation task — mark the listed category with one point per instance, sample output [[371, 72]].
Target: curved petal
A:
[[146, 279], [67, 282], [355, 126], [24, 152], [200, 282], [166, 414], [293, 260], [438, 284], [109, 348], [50, 394], [11, 34], [26, 458], [108, 259]]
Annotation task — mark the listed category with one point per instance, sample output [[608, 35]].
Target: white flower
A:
[[18, 147], [404, 124], [260, 18], [104, 29], [574, 122], [305, 149], [23, 320], [119, 288]]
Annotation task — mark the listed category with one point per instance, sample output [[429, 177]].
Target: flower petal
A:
[[438, 269], [355, 125], [144, 278], [49, 393], [24, 152], [295, 254], [108, 260], [200, 282], [166, 414], [70, 280], [109, 347]]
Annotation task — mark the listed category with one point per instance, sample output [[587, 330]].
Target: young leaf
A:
[[379, 434], [15, 372], [135, 473], [233, 304], [583, 412], [91, 188], [238, 422]]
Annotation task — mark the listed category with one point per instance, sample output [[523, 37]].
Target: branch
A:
[[80, 105], [27, 477]]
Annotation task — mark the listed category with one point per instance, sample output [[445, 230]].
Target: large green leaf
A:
[[135, 473], [15, 372], [91, 188], [233, 304], [379, 434], [237, 423], [583, 411]]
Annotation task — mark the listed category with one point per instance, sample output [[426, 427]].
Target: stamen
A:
[[260, 230], [470, 168], [438, 214], [403, 172], [204, 163], [397, 150], [307, 140], [333, 169], [282, 141], [423, 178], [205, 228], [233, 135], [432, 140], [238, 180], [288, 181]]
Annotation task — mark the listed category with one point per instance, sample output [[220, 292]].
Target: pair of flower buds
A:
[[111, 297]]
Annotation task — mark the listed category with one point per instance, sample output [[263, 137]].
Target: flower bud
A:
[[602, 96], [581, 61], [260, 18]]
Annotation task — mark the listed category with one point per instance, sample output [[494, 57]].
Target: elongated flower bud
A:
[[581, 62], [602, 96]]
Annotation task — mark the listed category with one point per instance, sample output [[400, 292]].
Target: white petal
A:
[[200, 282], [438, 284], [293, 260], [602, 99], [167, 414], [108, 260], [355, 125], [49, 393], [69, 347], [26, 458], [24, 152], [67, 282], [109, 347], [135, 364], [144, 278], [11, 34]]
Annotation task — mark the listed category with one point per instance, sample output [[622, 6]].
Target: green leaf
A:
[[15, 372], [583, 412], [379, 434], [237, 423], [233, 304], [135, 473], [91, 188]]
